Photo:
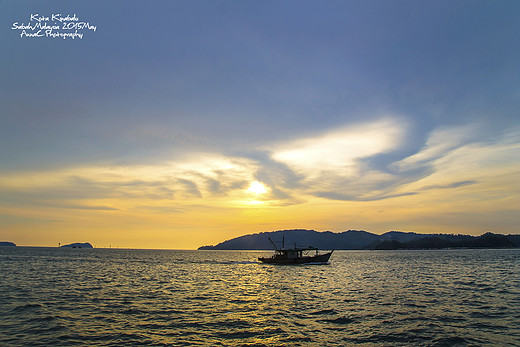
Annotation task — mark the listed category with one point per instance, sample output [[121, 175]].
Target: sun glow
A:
[[257, 188]]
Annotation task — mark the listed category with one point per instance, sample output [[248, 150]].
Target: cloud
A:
[[340, 150], [84, 207], [364, 162], [283, 182], [450, 185], [489, 163], [8, 220], [342, 164], [213, 186], [161, 209], [439, 143], [345, 197], [190, 187], [335, 164], [204, 175]]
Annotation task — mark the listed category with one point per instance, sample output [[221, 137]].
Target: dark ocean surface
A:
[[115, 297]]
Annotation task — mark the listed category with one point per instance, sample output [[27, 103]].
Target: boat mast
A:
[[272, 243]]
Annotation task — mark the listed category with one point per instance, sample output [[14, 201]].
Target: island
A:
[[7, 244], [360, 239], [78, 245]]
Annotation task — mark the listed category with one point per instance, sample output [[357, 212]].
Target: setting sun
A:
[[257, 188]]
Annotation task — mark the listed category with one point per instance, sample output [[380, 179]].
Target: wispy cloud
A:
[[373, 197], [332, 165], [190, 187], [83, 207], [439, 143], [335, 165], [481, 161], [450, 185], [339, 150]]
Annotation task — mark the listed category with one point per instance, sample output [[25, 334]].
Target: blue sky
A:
[[322, 102]]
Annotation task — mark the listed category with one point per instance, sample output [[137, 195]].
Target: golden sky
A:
[[207, 198]]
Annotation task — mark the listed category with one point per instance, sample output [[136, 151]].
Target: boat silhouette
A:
[[296, 255]]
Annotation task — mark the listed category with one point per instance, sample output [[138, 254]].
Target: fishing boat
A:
[[296, 255]]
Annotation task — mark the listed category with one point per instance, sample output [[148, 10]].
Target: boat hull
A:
[[320, 258]]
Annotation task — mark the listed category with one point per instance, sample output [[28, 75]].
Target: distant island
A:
[[359, 240], [7, 244], [78, 245]]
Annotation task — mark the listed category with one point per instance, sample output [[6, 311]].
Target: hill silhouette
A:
[[78, 245], [360, 239]]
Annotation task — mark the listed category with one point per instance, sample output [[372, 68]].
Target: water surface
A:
[[113, 297]]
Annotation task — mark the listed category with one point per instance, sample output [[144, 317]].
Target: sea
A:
[[126, 297]]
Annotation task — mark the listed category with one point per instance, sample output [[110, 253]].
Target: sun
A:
[[257, 188]]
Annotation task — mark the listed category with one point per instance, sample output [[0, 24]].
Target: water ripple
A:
[[184, 298]]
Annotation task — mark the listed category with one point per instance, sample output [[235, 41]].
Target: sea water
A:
[[115, 297]]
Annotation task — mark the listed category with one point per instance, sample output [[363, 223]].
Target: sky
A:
[[177, 124]]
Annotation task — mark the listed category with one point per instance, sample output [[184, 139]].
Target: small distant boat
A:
[[296, 255]]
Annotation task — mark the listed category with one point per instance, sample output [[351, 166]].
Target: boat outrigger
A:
[[296, 255]]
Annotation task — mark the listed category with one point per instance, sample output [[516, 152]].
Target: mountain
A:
[[7, 244], [488, 240], [515, 239], [352, 239], [401, 236], [78, 245], [359, 239]]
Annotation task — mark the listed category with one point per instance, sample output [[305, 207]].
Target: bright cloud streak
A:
[[337, 151], [208, 175], [440, 142], [482, 163], [332, 165]]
